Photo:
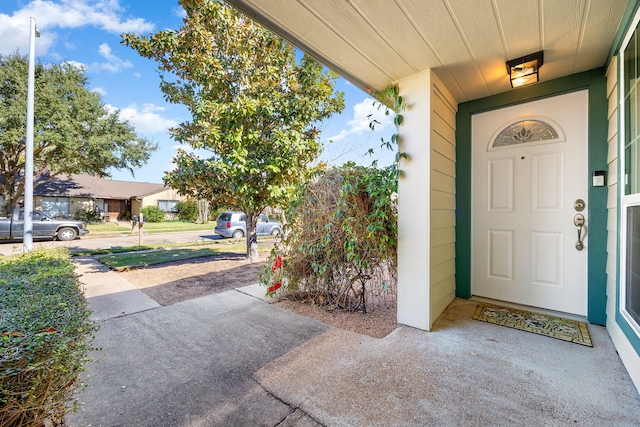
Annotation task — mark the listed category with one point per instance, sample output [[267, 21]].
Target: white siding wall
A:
[[628, 355], [426, 201], [443, 198]]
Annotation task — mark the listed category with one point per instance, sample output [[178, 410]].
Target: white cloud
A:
[[51, 15], [137, 75], [364, 113], [76, 64], [145, 120], [113, 64], [99, 90], [179, 12]]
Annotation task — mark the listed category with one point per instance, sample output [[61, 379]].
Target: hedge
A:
[[45, 336]]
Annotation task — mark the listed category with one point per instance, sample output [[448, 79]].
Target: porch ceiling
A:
[[374, 43]]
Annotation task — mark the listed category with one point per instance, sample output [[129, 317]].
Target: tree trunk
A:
[[252, 237]]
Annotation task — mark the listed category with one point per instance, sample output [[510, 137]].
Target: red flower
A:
[[279, 262], [275, 287]]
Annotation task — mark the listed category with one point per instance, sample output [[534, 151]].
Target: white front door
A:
[[529, 168]]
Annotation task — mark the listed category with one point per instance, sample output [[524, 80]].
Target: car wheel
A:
[[67, 233], [275, 232], [238, 234]]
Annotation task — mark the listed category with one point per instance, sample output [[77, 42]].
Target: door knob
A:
[[578, 221]]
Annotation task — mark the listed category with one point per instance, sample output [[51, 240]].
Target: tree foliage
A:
[[188, 210], [73, 131], [255, 107]]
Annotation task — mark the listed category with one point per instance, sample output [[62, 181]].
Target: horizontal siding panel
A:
[[612, 76], [442, 236], [443, 288], [443, 164], [443, 219], [443, 253], [442, 200], [442, 271], [439, 306], [612, 244], [612, 220], [442, 182], [612, 174], [440, 127], [612, 155], [612, 197], [612, 107], [439, 107], [441, 91], [613, 128], [443, 147]]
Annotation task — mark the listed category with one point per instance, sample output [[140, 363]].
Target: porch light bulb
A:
[[523, 71]]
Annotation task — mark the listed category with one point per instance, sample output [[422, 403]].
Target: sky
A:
[[87, 32]]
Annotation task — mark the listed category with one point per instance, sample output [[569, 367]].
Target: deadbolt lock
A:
[[579, 205]]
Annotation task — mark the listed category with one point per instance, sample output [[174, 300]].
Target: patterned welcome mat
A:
[[541, 324]]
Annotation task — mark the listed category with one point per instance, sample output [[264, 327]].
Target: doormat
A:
[[541, 324]]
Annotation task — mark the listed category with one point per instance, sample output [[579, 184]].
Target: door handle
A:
[[578, 221]]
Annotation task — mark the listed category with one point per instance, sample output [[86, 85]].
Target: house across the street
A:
[[65, 195]]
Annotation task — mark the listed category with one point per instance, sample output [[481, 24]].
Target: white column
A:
[[414, 204]]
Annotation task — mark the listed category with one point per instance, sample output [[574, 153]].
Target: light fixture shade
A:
[[524, 70]]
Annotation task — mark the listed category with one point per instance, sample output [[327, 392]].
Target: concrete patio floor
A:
[[232, 359], [463, 373]]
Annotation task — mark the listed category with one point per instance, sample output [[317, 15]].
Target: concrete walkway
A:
[[231, 359], [188, 364]]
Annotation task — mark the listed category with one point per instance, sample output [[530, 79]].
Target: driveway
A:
[[188, 364]]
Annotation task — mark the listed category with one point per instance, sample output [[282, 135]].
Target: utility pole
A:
[[27, 238]]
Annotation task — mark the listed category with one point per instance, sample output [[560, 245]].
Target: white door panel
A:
[[523, 236]]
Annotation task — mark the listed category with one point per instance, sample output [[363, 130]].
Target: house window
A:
[[630, 181], [56, 206], [168, 205]]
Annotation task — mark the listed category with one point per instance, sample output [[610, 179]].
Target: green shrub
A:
[[88, 215], [45, 333], [188, 211], [152, 214]]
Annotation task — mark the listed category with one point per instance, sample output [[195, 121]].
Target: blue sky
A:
[[88, 32]]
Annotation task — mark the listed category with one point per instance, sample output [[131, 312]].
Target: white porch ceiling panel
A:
[[374, 43]]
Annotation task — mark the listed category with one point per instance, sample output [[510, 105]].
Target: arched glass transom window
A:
[[526, 131]]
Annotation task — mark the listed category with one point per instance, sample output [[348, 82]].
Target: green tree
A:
[[73, 131], [255, 107]]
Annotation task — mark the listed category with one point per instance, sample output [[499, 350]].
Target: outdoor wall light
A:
[[524, 70]]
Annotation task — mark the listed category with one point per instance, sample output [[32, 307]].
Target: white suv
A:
[[233, 224]]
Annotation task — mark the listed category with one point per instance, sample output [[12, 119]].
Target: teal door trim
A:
[[594, 81]]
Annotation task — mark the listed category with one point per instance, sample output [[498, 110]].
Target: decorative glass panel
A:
[[525, 131]]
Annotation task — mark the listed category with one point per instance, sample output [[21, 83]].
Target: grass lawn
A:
[[151, 227], [143, 259], [105, 227], [228, 245], [169, 226]]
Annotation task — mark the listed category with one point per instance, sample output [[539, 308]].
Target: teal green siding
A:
[[595, 82]]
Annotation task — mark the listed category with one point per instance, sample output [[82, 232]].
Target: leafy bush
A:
[[45, 333], [152, 214], [88, 215], [341, 240], [188, 211]]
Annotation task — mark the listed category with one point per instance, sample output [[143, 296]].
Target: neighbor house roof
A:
[[95, 187]]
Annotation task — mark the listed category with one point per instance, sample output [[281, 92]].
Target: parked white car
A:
[[233, 224]]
